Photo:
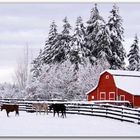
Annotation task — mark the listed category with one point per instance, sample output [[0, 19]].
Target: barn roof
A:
[[125, 80], [123, 73]]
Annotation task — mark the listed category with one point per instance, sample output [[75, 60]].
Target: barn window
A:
[[92, 97], [102, 95], [111, 95], [107, 77], [122, 97]]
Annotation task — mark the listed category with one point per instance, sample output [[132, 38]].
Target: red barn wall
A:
[[128, 96], [137, 101]]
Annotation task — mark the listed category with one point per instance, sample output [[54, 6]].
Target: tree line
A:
[[71, 61]]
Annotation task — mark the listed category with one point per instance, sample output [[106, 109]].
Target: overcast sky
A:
[[22, 24]]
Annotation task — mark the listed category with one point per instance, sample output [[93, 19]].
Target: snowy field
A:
[[30, 124]]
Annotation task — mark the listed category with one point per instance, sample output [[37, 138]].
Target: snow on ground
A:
[[30, 124]]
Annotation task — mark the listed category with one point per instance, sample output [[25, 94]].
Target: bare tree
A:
[[21, 75]]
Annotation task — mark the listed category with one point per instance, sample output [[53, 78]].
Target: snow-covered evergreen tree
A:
[[62, 46], [37, 65], [58, 45], [104, 40], [66, 27], [116, 35], [77, 52], [46, 55], [52, 33], [93, 28], [49, 50], [134, 56]]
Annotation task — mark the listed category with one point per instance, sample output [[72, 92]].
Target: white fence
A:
[[121, 113]]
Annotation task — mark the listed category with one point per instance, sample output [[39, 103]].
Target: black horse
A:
[[58, 108]]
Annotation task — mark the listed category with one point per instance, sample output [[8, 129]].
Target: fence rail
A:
[[121, 113]]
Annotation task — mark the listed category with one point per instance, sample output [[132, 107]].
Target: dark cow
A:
[[58, 108], [10, 108]]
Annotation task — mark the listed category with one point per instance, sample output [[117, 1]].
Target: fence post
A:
[[106, 110], [78, 108], [139, 117], [92, 110], [122, 114]]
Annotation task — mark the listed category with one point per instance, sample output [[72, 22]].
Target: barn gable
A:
[[105, 75]]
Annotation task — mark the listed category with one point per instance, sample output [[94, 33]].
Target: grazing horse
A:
[[40, 107], [57, 108], [10, 108]]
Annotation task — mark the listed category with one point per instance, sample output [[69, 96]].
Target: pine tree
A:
[[77, 52], [62, 46], [116, 34], [49, 50], [45, 56], [52, 33], [37, 65], [134, 56], [66, 27], [104, 40], [94, 26]]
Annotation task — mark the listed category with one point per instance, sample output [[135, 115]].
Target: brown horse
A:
[[40, 107], [10, 108]]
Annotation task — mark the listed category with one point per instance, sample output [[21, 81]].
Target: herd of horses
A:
[[38, 107]]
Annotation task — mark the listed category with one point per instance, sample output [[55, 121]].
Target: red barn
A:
[[117, 85]]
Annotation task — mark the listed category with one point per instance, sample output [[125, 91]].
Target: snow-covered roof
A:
[[125, 80], [123, 73], [129, 84]]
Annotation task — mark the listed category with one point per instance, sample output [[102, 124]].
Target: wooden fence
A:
[[121, 113]]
